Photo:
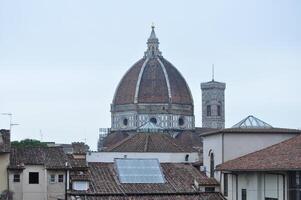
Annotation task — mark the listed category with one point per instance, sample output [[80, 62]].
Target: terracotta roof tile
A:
[[179, 180], [180, 91], [126, 89], [282, 156], [149, 142], [201, 196], [50, 157], [153, 87], [77, 163]]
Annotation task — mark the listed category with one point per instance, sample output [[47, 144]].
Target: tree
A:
[[28, 143]]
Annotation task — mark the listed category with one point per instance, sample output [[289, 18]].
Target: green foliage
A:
[[28, 143]]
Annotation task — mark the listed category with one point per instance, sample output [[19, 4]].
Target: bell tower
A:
[[213, 104]]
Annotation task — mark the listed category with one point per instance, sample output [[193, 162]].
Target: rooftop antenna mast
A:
[[212, 72]]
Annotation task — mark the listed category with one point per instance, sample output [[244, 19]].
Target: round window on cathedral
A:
[[125, 121], [181, 121], [153, 120]]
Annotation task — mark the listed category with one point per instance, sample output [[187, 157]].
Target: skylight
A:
[[252, 122], [139, 171]]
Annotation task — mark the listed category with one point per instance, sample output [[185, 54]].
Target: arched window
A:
[[125, 121], [219, 111], [153, 120], [208, 110], [211, 165], [187, 157]]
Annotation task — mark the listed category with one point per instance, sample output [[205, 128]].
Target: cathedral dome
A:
[[152, 91], [152, 79]]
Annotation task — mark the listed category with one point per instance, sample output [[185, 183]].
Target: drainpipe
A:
[[66, 179], [66, 184]]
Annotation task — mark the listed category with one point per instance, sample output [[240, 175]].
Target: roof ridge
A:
[[146, 143], [121, 142], [264, 149]]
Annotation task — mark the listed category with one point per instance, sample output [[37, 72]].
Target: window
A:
[[208, 110], [181, 121], [226, 185], [125, 121], [187, 157], [243, 194], [219, 110], [61, 178], [52, 178], [16, 177], [153, 120], [33, 178], [294, 185], [211, 165]]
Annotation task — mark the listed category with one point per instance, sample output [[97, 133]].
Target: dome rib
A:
[[139, 81], [125, 91], [167, 80], [180, 91], [153, 86]]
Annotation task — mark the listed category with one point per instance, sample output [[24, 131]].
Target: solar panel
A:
[[139, 171]]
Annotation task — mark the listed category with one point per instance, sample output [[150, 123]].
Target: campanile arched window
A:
[[211, 164], [208, 110]]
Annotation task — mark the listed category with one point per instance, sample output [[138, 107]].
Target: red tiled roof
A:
[[282, 156], [149, 142], [115, 137], [200, 196], [77, 163], [253, 130], [4, 141], [189, 139], [153, 87], [50, 157], [179, 180]]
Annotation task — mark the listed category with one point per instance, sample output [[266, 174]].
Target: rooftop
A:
[[283, 156], [149, 142], [179, 180], [50, 157], [252, 131]]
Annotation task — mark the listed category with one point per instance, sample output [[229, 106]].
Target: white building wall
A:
[[212, 143], [43, 191], [258, 185], [4, 162], [55, 190], [162, 157], [236, 145], [231, 146], [34, 191], [16, 187]]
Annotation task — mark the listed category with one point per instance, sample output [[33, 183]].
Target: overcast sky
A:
[[61, 60]]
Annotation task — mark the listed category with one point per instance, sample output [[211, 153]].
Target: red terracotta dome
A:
[[153, 80]]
